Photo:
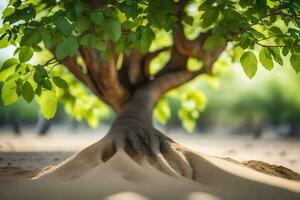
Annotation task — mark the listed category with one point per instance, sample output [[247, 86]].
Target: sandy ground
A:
[[121, 178], [31, 151]]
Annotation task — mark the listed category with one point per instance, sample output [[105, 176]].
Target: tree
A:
[[109, 45]]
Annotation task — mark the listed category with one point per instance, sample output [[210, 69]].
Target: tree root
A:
[[153, 147], [137, 159]]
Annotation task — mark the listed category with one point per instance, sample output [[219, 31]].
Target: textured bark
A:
[[134, 134]]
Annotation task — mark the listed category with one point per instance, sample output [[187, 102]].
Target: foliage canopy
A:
[[247, 31]]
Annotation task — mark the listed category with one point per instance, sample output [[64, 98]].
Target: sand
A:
[[122, 178]]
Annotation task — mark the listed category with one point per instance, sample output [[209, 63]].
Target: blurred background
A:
[[240, 118]]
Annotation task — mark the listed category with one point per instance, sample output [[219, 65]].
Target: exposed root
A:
[[178, 158], [88, 158], [161, 161], [148, 146], [157, 149], [143, 146]]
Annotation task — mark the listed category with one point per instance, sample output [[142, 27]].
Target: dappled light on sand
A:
[[126, 196], [201, 195]]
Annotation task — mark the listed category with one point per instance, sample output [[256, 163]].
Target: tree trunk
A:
[[132, 133]]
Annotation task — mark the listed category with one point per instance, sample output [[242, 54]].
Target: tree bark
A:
[[133, 133]]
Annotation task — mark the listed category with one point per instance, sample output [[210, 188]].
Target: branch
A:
[[75, 69], [272, 36], [265, 45], [170, 81], [89, 60], [184, 46], [105, 75], [176, 63], [273, 12], [133, 67], [149, 56], [194, 48]]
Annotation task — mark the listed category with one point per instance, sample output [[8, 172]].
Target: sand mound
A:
[[123, 178], [273, 170]]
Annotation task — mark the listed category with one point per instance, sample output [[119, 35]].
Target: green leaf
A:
[[48, 38], [9, 92], [91, 40], [113, 29], [295, 62], [48, 103], [27, 92], [244, 41], [31, 36], [99, 44], [146, 40], [8, 11], [249, 63], [92, 118], [297, 22], [19, 83], [265, 59], [210, 16], [276, 55], [36, 48], [40, 74], [4, 43], [5, 74], [82, 24], [26, 13], [38, 90], [188, 20], [9, 63], [276, 30], [59, 82], [47, 84], [188, 122], [285, 51], [97, 18], [68, 47], [245, 3], [86, 39], [198, 97], [63, 25], [25, 54], [214, 41]]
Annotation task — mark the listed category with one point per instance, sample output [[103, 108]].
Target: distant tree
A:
[[109, 47]]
